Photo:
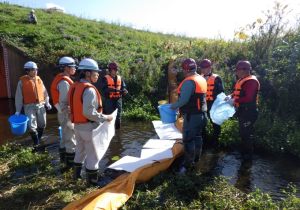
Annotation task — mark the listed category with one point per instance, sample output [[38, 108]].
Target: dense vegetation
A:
[[144, 56], [29, 180]]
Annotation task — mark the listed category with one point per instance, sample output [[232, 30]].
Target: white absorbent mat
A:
[[166, 131], [129, 163], [157, 154], [159, 143]]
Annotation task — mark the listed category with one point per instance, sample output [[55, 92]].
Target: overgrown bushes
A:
[[144, 56]]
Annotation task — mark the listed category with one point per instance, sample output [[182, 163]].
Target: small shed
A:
[[12, 60]]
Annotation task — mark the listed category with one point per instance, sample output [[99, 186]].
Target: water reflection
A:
[[270, 174]]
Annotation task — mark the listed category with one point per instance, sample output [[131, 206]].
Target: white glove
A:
[[17, 113], [70, 125], [58, 108], [48, 106], [231, 101], [227, 98]]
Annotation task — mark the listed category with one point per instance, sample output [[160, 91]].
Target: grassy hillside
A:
[[57, 34], [143, 56]]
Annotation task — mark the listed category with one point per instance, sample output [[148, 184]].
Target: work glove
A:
[[109, 118], [231, 101], [48, 106], [17, 113], [125, 92], [58, 108], [70, 125], [227, 98]]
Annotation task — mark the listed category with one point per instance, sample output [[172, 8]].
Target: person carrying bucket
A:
[[214, 87], [33, 96], [192, 105], [113, 88], [59, 91], [86, 114]]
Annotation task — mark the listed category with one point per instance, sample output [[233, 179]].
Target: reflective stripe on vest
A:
[[114, 88], [53, 89], [210, 87], [194, 104], [238, 88], [76, 103], [32, 90]]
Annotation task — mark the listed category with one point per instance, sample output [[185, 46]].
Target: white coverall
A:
[[36, 112], [63, 115], [85, 147]]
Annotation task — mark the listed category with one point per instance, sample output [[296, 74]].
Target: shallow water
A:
[[269, 173]]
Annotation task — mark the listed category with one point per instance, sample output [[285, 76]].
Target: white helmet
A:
[[88, 64], [67, 61], [30, 65], [32, 11]]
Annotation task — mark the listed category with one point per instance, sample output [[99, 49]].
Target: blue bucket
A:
[[18, 124], [167, 115], [60, 133]]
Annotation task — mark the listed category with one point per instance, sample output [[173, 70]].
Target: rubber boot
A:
[[198, 152], [77, 170], [247, 148], [40, 133], [91, 177], [69, 160], [62, 155], [35, 138], [118, 124]]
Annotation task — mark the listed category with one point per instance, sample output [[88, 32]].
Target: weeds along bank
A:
[[144, 57], [29, 180]]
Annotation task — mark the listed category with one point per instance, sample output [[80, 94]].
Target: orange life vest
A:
[[53, 88], [114, 87], [194, 104], [76, 103], [238, 89], [32, 90], [210, 87]]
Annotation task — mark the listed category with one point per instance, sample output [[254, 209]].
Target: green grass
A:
[[143, 56], [196, 191], [32, 182]]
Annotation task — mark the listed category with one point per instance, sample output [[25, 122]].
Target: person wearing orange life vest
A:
[[113, 88], [192, 105], [33, 96], [214, 87], [59, 91], [244, 99], [86, 114]]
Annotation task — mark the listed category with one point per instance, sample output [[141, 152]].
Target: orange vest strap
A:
[[76, 103], [114, 87], [53, 89], [210, 87], [238, 88], [200, 88], [32, 89]]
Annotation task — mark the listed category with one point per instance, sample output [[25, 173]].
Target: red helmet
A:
[[243, 65], [189, 64], [205, 63], [113, 65]]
